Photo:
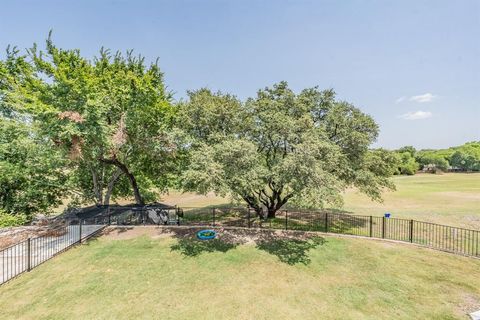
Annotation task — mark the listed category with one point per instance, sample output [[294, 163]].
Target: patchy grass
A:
[[244, 276]]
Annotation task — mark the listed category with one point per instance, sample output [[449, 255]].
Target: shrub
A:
[[10, 220]]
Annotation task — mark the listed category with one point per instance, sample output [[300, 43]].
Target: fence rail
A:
[[436, 236], [32, 252], [446, 238]]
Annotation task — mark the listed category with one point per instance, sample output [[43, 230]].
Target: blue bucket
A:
[[206, 234], [387, 215]]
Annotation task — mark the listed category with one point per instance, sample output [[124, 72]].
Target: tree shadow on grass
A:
[[289, 247], [194, 247], [291, 251]]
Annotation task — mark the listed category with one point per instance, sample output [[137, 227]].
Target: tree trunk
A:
[[277, 204], [97, 188], [133, 182], [273, 203], [253, 203], [111, 184], [259, 211], [271, 213], [136, 191]]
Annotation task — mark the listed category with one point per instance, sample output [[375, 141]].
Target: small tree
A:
[[463, 161], [407, 163], [283, 147]]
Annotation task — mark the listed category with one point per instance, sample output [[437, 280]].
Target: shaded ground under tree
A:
[[289, 247]]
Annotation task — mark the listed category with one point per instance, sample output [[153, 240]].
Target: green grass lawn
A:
[[452, 199], [156, 276]]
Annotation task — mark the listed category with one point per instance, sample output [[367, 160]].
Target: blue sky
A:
[[413, 65]]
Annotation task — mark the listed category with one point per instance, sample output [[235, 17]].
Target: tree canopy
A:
[[281, 147], [465, 161], [407, 163], [112, 116], [32, 179]]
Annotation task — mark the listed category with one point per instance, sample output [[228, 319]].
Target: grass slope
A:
[[166, 277]]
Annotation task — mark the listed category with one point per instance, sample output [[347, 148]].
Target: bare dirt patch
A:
[[13, 235], [128, 232]]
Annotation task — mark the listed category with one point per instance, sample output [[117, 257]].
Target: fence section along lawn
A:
[[28, 254], [441, 237]]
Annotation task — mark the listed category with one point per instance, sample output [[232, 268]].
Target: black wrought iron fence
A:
[[28, 254], [129, 215], [446, 238], [25, 255]]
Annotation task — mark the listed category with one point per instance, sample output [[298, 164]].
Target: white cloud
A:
[[417, 115], [427, 97], [422, 98]]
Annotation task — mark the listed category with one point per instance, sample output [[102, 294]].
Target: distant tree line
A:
[[464, 158]]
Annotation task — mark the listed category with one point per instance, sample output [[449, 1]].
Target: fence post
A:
[[248, 217], [371, 226], [383, 227], [80, 231], [477, 243], [29, 251], [411, 230], [286, 219], [326, 221], [213, 216]]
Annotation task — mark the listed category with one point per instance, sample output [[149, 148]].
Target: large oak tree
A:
[[281, 147]]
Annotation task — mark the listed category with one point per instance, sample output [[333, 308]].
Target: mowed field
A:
[[150, 273], [452, 199]]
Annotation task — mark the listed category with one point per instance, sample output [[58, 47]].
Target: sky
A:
[[412, 65]]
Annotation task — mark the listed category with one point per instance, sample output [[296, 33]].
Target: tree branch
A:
[[136, 191]]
